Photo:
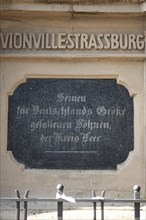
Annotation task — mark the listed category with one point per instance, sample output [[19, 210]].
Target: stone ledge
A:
[[82, 2], [126, 57], [114, 8]]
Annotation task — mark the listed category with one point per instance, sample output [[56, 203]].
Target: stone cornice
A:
[[17, 8], [108, 8], [74, 2]]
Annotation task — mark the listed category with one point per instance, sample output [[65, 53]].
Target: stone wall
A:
[[125, 66]]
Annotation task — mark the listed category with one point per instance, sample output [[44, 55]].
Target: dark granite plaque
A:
[[70, 123]]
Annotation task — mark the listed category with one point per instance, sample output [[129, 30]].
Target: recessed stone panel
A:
[[70, 124]]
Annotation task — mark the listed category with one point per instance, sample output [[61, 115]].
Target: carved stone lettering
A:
[[70, 41], [70, 123]]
